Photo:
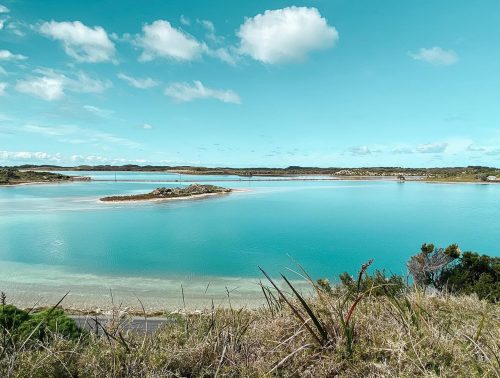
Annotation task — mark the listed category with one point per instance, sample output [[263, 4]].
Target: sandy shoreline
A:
[[29, 286], [196, 196]]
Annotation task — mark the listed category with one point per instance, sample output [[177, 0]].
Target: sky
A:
[[328, 83]]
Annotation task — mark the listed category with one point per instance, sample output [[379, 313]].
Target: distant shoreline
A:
[[259, 179]]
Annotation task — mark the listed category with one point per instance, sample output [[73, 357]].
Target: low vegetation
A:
[[168, 193], [10, 176], [368, 325], [447, 174]]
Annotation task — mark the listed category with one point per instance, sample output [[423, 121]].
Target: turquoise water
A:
[[327, 226]]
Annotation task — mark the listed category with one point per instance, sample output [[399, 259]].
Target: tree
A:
[[479, 274], [427, 266]]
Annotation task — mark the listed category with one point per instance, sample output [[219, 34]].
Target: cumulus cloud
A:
[[436, 55], [28, 155], [45, 87], [83, 43], [287, 34], [184, 92], [138, 83], [432, 148], [161, 40], [227, 55], [147, 126], [51, 85], [360, 150], [3, 86], [4, 9], [8, 56], [94, 159]]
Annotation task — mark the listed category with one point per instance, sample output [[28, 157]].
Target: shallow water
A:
[[327, 226]]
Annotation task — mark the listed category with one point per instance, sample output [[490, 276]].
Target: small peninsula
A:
[[194, 190], [12, 176]]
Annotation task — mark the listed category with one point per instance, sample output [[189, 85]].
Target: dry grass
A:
[[415, 334]]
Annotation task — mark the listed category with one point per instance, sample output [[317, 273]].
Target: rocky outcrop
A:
[[165, 193]]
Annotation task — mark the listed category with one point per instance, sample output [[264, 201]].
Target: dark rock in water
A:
[[191, 190]]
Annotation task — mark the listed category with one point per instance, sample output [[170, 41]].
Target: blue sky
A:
[[250, 83]]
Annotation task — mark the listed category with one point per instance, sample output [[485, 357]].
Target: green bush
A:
[[474, 273], [448, 269], [42, 325], [11, 317], [377, 284]]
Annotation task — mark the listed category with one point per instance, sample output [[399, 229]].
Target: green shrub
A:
[[377, 284], [447, 269], [11, 317], [50, 324], [479, 274], [19, 324]]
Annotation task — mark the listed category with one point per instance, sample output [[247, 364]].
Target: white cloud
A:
[[7, 55], [210, 31], [436, 55], [4, 9], [17, 28], [147, 126], [360, 150], [402, 150], [83, 43], [226, 55], [93, 159], [28, 155], [77, 135], [139, 83], [208, 25], [51, 85], [287, 34], [161, 40], [185, 20], [2, 22], [47, 88], [102, 113], [432, 148], [82, 83], [3, 86], [184, 92]]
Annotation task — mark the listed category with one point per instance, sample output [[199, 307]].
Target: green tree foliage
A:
[[479, 274], [447, 269]]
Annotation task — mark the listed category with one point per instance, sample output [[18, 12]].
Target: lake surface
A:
[[59, 236]]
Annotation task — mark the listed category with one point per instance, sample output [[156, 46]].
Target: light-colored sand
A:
[[29, 285], [192, 197]]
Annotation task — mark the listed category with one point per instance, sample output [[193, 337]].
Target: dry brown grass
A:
[[416, 334]]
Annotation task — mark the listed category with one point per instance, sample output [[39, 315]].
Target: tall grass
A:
[[345, 331]]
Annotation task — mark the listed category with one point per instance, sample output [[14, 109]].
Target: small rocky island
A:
[[194, 190]]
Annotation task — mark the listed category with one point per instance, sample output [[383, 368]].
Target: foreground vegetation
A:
[[11, 176], [448, 174], [370, 325]]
